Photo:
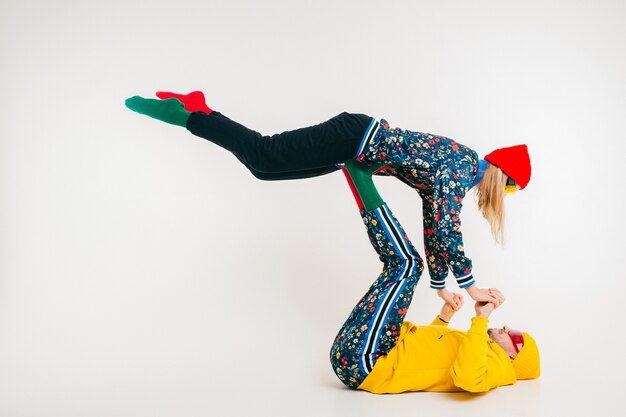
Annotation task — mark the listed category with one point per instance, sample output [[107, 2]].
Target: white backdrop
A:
[[145, 272]]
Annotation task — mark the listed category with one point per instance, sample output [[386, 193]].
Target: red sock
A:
[[193, 101]]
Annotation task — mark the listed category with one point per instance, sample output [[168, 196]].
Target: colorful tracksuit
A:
[[374, 325], [301, 153], [440, 169]]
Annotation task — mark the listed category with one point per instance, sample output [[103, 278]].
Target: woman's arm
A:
[[444, 240]]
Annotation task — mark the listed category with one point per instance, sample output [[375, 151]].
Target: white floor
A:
[[237, 367], [257, 344]]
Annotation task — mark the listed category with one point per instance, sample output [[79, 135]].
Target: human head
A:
[[514, 161], [510, 164], [525, 361], [490, 192]]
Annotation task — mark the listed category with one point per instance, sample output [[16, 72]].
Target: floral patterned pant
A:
[[373, 327]]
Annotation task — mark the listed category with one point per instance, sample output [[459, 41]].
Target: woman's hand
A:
[[488, 295], [447, 311], [453, 299]]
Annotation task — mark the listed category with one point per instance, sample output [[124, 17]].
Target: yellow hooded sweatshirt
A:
[[437, 358]]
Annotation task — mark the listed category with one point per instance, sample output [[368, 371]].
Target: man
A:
[[377, 351], [438, 358]]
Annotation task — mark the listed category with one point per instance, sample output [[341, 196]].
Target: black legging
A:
[[301, 153]]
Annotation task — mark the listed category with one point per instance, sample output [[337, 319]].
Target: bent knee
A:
[[413, 263]]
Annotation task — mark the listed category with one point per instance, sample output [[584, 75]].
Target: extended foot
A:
[[193, 101], [169, 111]]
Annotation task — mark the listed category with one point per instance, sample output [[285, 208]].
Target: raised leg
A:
[[300, 153], [373, 327], [282, 176], [326, 144]]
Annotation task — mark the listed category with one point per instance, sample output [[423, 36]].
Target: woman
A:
[[440, 169]]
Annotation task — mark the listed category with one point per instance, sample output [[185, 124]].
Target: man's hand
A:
[[484, 309], [489, 295], [451, 298], [447, 311]]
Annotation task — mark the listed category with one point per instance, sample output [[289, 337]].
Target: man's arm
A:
[[469, 370]]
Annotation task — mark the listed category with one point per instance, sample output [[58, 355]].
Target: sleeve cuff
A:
[[466, 280], [438, 322], [468, 284], [437, 285]]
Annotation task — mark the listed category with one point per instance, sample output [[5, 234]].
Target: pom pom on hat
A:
[[514, 161], [526, 363]]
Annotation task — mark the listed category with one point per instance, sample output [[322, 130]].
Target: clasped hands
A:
[[487, 300]]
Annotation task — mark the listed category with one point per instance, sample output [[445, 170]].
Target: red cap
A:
[[514, 161]]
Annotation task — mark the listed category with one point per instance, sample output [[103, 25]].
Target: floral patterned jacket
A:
[[442, 171]]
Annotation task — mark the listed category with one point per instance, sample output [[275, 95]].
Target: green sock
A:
[[169, 111], [361, 175]]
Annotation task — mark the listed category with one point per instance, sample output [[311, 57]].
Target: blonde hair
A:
[[490, 199]]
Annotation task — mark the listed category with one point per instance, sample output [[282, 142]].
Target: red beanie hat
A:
[[514, 161]]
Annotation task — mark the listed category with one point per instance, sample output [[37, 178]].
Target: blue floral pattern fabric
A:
[[442, 171], [373, 327]]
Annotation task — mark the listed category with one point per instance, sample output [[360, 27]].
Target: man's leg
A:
[[373, 327]]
